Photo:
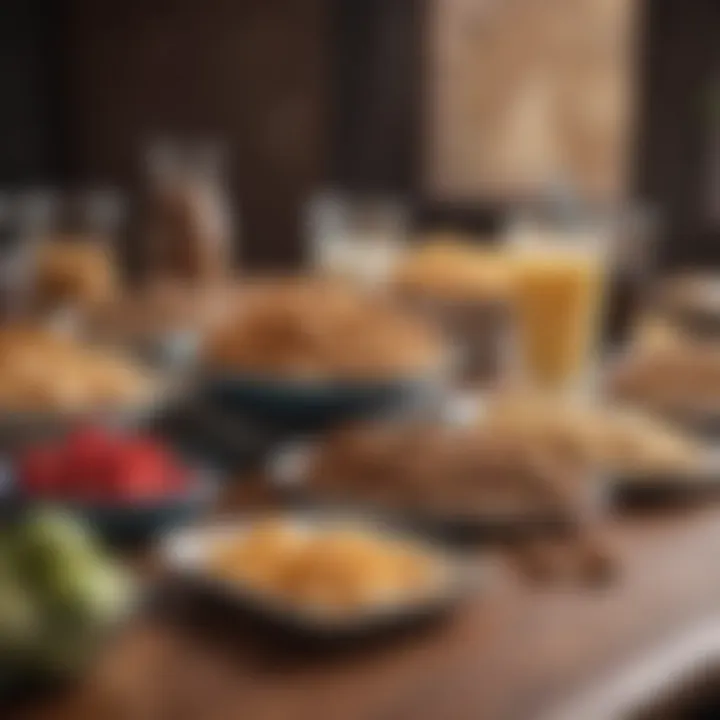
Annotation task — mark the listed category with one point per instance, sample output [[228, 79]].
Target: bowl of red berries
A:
[[128, 487]]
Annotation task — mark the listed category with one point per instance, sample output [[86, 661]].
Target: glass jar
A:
[[22, 220], [76, 263], [188, 226]]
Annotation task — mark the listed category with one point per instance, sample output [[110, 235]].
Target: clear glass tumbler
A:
[[559, 273], [356, 238], [77, 265]]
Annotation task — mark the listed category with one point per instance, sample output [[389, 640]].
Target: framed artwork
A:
[[524, 95]]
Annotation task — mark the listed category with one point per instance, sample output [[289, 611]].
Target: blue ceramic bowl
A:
[[313, 405], [126, 524], [140, 523]]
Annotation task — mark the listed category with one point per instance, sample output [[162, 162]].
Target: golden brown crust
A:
[[336, 569], [445, 471], [40, 371], [449, 269], [608, 437], [313, 329], [681, 379]]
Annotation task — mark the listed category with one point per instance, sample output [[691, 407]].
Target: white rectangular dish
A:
[[186, 554]]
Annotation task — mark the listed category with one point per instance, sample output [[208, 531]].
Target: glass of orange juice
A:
[[558, 286]]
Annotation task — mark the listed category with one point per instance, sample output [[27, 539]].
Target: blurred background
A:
[[462, 106], [230, 228]]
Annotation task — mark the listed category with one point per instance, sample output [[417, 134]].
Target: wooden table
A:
[[512, 652]]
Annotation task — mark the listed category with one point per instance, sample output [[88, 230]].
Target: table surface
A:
[[514, 651]]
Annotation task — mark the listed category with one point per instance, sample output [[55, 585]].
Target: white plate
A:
[[186, 554]]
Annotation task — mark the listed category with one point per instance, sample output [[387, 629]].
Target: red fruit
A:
[[41, 471], [90, 444], [88, 461], [96, 465], [141, 471], [175, 478]]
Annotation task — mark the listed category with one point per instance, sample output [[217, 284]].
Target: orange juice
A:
[[557, 297]]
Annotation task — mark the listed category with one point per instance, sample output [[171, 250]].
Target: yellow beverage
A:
[[557, 297]]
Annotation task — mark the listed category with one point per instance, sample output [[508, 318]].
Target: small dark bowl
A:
[[315, 405], [140, 523], [128, 524]]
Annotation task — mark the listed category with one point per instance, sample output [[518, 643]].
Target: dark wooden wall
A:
[[307, 92], [376, 86], [676, 130], [251, 72], [30, 137], [676, 148]]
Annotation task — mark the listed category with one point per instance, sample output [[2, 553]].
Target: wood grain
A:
[[514, 651]]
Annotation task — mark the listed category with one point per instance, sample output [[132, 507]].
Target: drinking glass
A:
[[189, 228], [356, 238], [559, 270], [24, 218], [77, 264]]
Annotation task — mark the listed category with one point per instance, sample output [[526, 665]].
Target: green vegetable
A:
[[89, 594], [50, 546], [20, 621], [57, 593]]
